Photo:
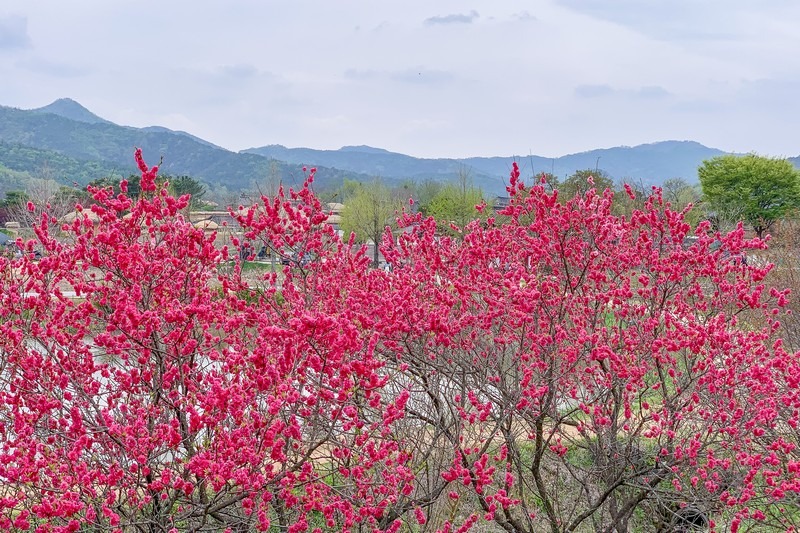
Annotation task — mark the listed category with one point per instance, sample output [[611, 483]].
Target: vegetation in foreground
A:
[[553, 367]]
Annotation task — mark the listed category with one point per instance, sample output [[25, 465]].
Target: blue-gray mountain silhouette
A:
[[77, 145]]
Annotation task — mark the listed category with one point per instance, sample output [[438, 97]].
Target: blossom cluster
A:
[[553, 366]]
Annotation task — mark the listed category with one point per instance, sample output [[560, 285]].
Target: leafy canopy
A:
[[759, 190], [455, 206], [369, 209], [583, 180]]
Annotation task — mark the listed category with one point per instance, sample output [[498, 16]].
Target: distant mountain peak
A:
[[69, 108], [363, 148]]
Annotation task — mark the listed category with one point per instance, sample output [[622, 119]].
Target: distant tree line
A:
[[61, 199], [759, 191], [370, 208]]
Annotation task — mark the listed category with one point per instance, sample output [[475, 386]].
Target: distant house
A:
[[335, 214], [501, 202], [69, 218], [206, 225], [224, 221], [211, 220]]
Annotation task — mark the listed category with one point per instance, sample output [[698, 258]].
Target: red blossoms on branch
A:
[[553, 367]]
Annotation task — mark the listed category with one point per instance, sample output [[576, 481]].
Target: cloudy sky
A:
[[427, 78]]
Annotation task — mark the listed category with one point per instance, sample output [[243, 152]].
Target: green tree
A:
[[349, 189], [758, 190], [14, 199], [368, 211], [10, 205], [455, 203], [578, 183], [274, 179], [180, 185], [624, 204], [549, 180], [423, 193], [46, 195], [679, 193], [133, 184]]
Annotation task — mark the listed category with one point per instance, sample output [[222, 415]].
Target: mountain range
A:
[[650, 163], [67, 142]]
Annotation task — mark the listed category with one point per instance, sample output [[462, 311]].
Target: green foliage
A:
[[679, 193], [368, 212], [69, 108], [258, 267], [90, 151], [548, 179], [578, 184], [14, 199], [12, 179], [349, 189], [19, 165], [422, 191], [180, 185], [623, 204], [455, 203], [758, 190], [133, 184]]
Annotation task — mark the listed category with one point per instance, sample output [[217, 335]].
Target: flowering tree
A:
[[599, 366], [557, 368], [168, 395]]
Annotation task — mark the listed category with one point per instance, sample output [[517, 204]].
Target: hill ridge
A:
[[71, 109], [69, 129]]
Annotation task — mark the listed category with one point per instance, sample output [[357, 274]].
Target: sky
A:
[[426, 78]]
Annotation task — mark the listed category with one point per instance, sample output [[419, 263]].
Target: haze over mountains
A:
[[650, 163], [74, 145]]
